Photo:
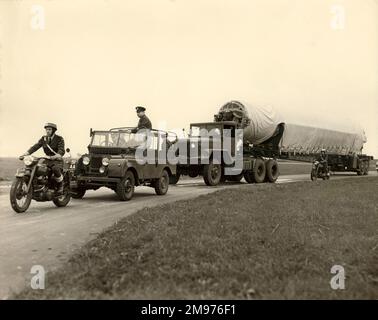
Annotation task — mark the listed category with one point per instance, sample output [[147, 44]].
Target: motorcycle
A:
[[318, 172], [33, 182]]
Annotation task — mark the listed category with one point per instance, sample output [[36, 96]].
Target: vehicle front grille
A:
[[96, 163]]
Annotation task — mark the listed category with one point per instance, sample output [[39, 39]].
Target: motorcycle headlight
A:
[[28, 160], [101, 170], [86, 160], [105, 162]]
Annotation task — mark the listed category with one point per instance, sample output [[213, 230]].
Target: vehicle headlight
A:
[[86, 160], [105, 162], [101, 170], [28, 161]]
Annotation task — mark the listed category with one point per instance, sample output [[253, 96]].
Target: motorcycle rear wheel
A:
[[19, 199]]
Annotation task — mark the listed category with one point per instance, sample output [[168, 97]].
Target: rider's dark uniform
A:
[[56, 143], [323, 159]]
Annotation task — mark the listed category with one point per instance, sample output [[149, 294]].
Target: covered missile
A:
[[262, 125]]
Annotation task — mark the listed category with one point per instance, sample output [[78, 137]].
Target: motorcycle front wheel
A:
[[20, 199], [314, 175]]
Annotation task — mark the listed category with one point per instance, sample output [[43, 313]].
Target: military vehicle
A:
[[112, 161], [259, 152]]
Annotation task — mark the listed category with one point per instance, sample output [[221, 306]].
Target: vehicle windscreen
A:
[[204, 131], [117, 139]]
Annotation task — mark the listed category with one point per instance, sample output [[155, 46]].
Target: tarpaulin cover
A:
[[259, 123], [305, 132], [308, 139]]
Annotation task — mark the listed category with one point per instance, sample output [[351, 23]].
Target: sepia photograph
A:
[[188, 155]]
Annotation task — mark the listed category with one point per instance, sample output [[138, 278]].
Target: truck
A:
[[257, 148]]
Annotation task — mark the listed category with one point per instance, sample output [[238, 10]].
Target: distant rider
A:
[[53, 146], [323, 160]]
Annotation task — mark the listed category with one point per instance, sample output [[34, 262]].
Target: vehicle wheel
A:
[[212, 173], [248, 176], [63, 200], [314, 175], [272, 170], [162, 184], [78, 193], [173, 179], [19, 199], [125, 188], [259, 171], [366, 171], [236, 178]]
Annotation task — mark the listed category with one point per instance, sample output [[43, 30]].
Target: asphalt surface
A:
[[47, 236]]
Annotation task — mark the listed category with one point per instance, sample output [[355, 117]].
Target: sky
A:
[[87, 63]]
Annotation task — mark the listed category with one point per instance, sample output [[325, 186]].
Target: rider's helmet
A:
[[51, 125], [323, 151]]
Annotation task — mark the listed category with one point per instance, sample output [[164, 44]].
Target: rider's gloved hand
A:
[[21, 157], [55, 157]]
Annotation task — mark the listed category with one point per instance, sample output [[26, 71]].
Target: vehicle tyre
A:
[[248, 176], [173, 179], [259, 171], [62, 200], [19, 199], [272, 170], [78, 193], [212, 173], [125, 188], [314, 174], [366, 171], [162, 184]]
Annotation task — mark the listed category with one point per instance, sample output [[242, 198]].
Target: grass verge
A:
[[267, 241]]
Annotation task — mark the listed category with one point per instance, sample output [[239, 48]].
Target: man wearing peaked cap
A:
[[144, 122]]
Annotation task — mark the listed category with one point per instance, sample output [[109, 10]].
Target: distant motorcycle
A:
[[318, 172], [34, 182]]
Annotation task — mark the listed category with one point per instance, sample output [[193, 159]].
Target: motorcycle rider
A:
[[53, 146], [323, 161]]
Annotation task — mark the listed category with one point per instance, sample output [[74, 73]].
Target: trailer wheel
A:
[[259, 171], [272, 170], [248, 176], [212, 173]]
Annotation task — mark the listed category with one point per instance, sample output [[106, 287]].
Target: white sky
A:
[[96, 60]]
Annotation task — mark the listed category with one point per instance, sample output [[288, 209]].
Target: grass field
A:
[[269, 241]]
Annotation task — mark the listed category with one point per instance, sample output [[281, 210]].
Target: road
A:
[[47, 235]]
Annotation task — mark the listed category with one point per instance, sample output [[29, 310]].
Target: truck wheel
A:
[[125, 188], [212, 173], [162, 184], [272, 170], [248, 176], [366, 171], [173, 179], [259, 171], [236, 178]]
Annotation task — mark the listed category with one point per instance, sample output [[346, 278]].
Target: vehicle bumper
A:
[[95, 181]]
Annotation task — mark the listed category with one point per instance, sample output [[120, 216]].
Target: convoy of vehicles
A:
[[113, 161]]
